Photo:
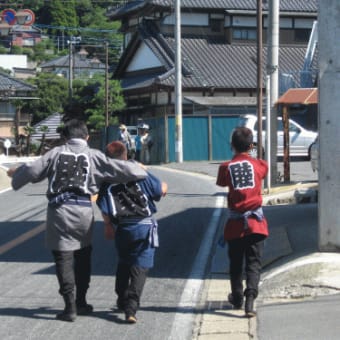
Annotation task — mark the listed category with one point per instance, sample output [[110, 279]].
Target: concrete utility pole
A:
[[70, 71], [107, 92], [178, 89], [329, 126], [273, 89], [259, 78]]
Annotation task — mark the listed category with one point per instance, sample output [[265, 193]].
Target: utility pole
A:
[[106, 93], [70, 71], [259, 79], [329, 126], [178, 85], [272, 88], [268, 147]]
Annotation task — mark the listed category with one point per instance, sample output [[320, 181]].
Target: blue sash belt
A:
[[257, 213], [71, 199]]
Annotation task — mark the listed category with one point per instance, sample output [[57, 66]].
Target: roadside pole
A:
[[178, 90], [268, 179], [7, 145], [259, 79], [273, 88], [329, 126]]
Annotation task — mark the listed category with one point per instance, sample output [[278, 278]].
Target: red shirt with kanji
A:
[[243, 176]]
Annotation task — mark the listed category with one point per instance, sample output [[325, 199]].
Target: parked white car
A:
[[300, 139], [314, 155]]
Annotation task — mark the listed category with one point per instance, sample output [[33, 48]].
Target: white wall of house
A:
[[161, 98], [303, 23], [243, 21], [14, 61], [143, 59]]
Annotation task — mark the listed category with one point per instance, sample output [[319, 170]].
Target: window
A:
[[302, 35], [244, 34], [139, 101]]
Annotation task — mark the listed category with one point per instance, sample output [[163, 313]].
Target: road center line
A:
[[22, 238]]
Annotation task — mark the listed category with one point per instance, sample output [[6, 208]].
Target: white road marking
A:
[[183, 322]]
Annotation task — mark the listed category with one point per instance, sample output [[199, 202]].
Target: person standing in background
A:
[[138, 143], [147, 143], [124, 137]]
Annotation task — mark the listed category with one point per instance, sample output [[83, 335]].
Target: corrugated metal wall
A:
[[205, 138], [221, 131]]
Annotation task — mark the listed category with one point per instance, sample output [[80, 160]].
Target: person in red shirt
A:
[[246, 227]]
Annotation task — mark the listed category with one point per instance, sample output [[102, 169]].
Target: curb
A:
[[296, 194]]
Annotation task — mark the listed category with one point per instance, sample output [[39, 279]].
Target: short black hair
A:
[[75, 128], [241, 139]]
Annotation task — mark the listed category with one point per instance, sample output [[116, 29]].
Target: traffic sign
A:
[[7, 145]]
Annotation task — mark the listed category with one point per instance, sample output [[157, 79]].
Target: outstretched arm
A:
[[28, 173], [117, 171], [164, 188], [11, 171]]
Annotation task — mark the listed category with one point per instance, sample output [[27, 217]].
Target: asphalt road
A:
[[28, 286], [309, 320]]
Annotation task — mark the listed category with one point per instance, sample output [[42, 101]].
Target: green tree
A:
[[59, 13], [16, 50], [90, 97], [29, 130], [101, 29], [52, 92], [44, 129], [34, 5], [63, 13]]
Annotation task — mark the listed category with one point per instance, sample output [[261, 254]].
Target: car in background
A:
[[300, 139], [314, 155]]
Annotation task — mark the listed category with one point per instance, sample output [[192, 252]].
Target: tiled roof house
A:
[[82, 66], [219, 53], [12, 89]]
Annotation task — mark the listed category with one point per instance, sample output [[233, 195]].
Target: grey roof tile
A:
[[285, 5], [53, 122], [64, 61], [222, 101], [9, 83], [207, 61], [211, 62], [230, 74]]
